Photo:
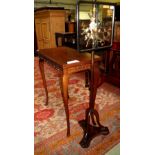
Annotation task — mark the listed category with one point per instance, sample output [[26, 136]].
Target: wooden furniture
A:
[[110, 66], [70, 26], [35, 42], [47, 22], [111, 60], [113, 75], [117, 32], [59, 58], [67, 39]]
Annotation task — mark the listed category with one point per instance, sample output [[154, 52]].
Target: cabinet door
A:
[[39, 33], [45, 28], [58, 25]]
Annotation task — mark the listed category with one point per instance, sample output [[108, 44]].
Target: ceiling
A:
[[67, 4]]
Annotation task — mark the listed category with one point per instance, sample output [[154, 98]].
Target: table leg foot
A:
[[46, 103], [41, 65], [91, 132], [64, 91]]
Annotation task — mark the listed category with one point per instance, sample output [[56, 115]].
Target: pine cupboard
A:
[[47, 22]]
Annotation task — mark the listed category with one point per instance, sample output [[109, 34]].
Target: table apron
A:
[[70, 70]]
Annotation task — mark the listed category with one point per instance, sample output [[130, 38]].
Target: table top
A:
[[66, 57]]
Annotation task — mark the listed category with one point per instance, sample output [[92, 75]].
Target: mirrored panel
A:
[[95, 25]]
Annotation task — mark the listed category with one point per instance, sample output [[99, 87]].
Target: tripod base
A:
[[91, 132]]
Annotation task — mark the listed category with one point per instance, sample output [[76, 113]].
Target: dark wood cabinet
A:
[[111, 60], [70, 27], [113, 75]]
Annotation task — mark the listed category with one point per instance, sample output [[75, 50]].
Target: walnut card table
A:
[[67, 61]]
